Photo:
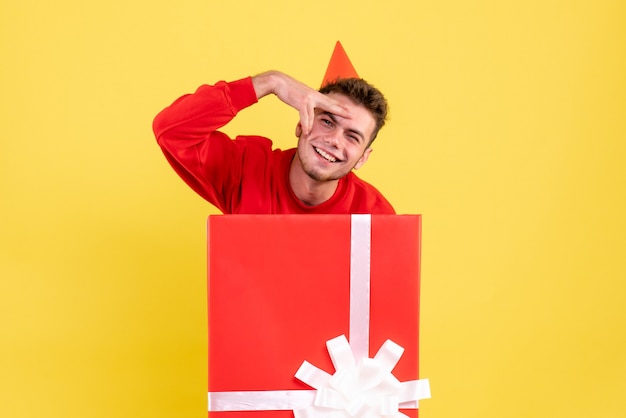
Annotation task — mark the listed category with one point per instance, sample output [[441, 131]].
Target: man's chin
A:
[[323, 177]]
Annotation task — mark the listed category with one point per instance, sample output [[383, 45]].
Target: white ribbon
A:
[[261, 400], [361, 387], [360, 255]]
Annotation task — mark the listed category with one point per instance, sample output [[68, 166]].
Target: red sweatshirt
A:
[[243, 175]]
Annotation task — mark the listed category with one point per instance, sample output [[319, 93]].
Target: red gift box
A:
[[281, 286]]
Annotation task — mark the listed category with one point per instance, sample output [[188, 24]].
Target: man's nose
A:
[[333, 138]]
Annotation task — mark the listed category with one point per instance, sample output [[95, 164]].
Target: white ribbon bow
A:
[[367, 389]]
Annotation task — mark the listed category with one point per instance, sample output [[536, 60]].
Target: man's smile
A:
[[327, 156]]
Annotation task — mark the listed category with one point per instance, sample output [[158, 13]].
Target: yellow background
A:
[[507, 133]]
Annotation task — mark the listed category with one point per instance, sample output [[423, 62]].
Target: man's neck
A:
[[309, 191]]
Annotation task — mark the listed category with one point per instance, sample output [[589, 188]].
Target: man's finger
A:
[[306, 121], [335, 108]]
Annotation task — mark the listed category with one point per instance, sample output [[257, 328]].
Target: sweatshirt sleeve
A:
[[194, 116], [187, 132]]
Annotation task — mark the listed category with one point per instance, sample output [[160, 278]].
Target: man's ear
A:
[[298, 130], [363, 158]]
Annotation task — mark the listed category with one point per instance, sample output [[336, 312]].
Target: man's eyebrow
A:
[[333, 117]]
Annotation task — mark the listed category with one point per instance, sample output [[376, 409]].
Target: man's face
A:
[[336, 145]]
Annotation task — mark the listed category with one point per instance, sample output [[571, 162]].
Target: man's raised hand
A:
[[297, 95]]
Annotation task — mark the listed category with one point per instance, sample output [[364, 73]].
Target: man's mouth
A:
[[327, 156]]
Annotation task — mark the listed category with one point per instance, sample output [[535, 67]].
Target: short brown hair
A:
[[362, 93]]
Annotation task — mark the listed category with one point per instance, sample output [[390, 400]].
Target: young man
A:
[[245, 175]]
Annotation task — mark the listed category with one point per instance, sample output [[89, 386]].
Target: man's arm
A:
[[187, 132], [297, 95]]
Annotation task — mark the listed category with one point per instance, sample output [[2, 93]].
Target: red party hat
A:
[[339, 66]]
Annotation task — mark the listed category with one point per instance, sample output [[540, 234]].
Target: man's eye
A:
[[327, 122]]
